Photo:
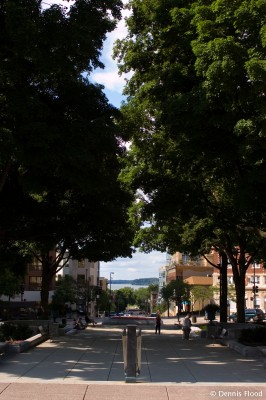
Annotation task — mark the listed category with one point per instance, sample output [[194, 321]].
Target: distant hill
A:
[[140, 281]]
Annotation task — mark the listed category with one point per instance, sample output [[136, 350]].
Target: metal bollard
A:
[[131, 341]]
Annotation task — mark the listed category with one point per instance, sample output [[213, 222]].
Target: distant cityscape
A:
[[139, 282]]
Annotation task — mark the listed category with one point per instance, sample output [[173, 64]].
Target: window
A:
[[35, 265], [257, 279], [81, 264], [35, 282], [185, 258]]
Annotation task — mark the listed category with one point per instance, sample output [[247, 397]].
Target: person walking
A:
[[158, 323], [186, 326]]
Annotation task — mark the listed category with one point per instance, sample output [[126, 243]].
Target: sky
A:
[[141, 265]]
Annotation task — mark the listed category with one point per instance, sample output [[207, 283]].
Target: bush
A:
[[253, 336], [15, 332]]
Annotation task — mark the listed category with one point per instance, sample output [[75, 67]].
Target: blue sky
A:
[[140, 265]]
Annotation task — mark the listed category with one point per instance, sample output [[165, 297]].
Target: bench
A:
[[3, 346]]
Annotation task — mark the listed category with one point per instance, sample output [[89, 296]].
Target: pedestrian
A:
[[186, 326], [158, 323]]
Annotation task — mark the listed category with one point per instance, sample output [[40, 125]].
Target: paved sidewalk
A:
[[89, 365]]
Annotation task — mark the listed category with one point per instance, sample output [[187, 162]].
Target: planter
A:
[[23, 345], [211, 315]]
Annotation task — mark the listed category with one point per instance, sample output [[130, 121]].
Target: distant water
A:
[[117, 286]]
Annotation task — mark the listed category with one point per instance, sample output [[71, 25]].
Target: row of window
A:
[[259, 280]]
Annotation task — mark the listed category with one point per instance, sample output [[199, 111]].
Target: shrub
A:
[[16, 332], [253, 336]]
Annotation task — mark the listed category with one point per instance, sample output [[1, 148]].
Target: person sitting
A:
[[89, 320], [81, 325], [76, 324]]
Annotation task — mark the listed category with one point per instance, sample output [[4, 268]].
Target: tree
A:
[[167, 293], [176, 291], [195, 113], [10, 283], [60, 161], [142, 296], [104, 301], [13, 263], [66, 291], [124, 297], [200, 293]]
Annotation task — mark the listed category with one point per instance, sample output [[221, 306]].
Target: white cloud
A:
[[141, 265], [65, 3], [110, 80], [109, 77]]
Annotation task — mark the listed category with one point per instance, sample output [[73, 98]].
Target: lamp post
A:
[[254, 286], [22, 287], [87, 292], [110, 301]]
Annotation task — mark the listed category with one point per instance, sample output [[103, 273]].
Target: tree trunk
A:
[[239, 267], [223, 287], [240, 293], [47, 276]]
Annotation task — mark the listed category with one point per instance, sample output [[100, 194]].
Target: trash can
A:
[[131, 341], [194, 319]]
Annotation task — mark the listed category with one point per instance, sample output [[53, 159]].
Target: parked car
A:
[[251, 314]]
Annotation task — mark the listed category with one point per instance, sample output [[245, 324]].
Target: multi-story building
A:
[[85, 273], [184, 267], [255, 279], [31, 285], [197, 271], [87, 276], [192, 270]]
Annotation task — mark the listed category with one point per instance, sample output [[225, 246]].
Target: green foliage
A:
[[196, 118], [61, 147], [201, 293], [66, 291], [14, 332], [142, 295], [103, 303], [10, 283], [124, 297], [253, 336]]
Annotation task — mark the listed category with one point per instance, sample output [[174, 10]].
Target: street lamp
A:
[[110, 301]]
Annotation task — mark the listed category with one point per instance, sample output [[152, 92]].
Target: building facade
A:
[[84, 272], [198, 271]]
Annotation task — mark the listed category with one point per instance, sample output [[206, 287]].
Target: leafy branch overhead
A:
[[61, 147], [196, 118]]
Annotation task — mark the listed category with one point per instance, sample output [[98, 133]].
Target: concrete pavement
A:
[[89, 365]]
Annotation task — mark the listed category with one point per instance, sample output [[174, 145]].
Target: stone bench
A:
[[246, 351], [71, 331], [23, 345], [18, 347]]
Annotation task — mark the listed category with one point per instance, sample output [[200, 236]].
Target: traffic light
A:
[[255, 289]]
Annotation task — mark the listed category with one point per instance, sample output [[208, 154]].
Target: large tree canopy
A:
[[196, 114], [60, 144]]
